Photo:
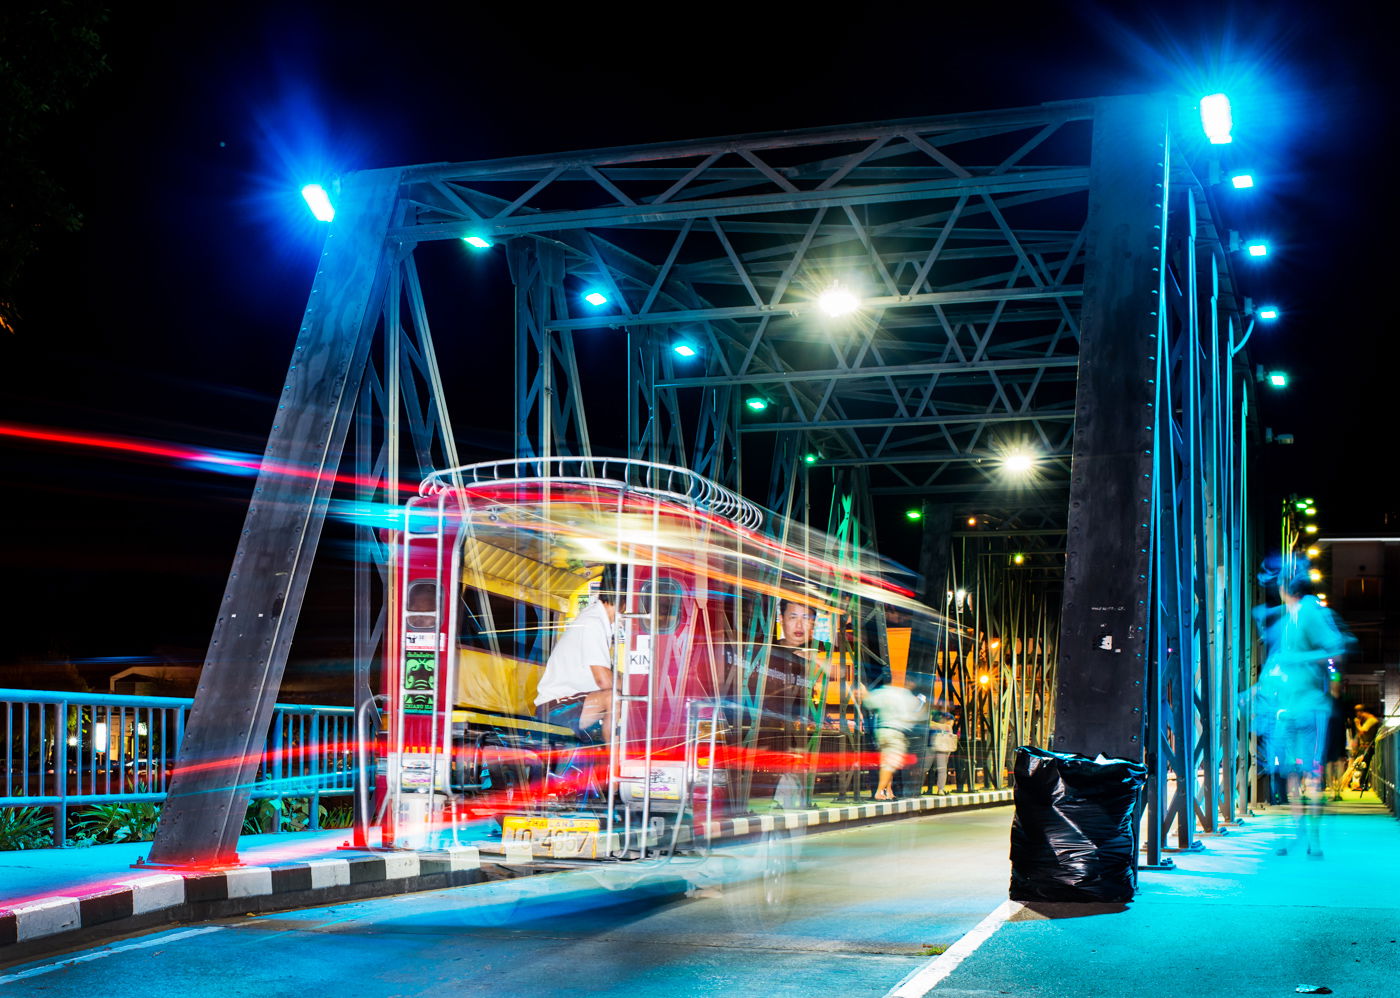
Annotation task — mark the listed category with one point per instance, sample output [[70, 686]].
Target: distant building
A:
[[1361, 581]]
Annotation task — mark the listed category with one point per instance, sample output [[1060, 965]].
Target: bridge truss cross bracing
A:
[[970, 241]]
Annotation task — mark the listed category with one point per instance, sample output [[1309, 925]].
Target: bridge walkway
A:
[[1233, 919]]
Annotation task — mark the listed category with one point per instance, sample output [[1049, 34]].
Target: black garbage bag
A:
[[1073, 837]]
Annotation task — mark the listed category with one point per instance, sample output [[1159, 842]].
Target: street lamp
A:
[[1216, 118], [1019, 463], [319, 202], [837, 301]]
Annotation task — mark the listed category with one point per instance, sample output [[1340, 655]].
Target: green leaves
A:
[[25, 828], [100, 824]]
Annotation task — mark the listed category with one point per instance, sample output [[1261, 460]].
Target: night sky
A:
[[171, 316]]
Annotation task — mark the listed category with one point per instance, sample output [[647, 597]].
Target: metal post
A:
[[238, 687], [1103, 633]]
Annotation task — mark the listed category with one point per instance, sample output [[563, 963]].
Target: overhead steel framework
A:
[[1044, 280]]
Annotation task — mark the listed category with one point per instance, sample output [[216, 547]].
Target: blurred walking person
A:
[[898, 712], [944, 742], [1300, 678]]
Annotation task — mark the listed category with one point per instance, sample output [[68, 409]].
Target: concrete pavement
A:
[[1235, 919], [51, 899]]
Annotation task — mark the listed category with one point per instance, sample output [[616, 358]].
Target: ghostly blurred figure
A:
[[1298, 682], [944, 743], [786, 694], [899, 711]]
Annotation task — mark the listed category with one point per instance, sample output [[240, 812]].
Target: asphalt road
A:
[[859, 909]]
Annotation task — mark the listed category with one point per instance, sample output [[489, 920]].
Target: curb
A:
[[791, 820], [143, 900]]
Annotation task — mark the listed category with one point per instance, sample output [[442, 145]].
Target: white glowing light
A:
[[837, 301], [1216, 118], [319, 202], [1019, 464]]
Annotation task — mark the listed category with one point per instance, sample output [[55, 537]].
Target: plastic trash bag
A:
[[1073, 837]]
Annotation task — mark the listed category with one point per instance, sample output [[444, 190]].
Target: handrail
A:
[[65, 749], [661, 480], [1385, 767], [123, 699]]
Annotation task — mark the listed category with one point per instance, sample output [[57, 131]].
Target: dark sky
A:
[[171, 316]]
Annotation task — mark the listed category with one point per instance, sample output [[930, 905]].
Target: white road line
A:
[[113, 951], [927, 977]]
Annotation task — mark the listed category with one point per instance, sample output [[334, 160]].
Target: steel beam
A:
[[219, 756], [796, 309], [1103, 627]]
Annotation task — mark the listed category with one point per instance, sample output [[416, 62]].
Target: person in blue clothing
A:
[[1299, 680]]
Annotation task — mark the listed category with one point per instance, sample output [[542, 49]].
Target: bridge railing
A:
[[63, 750], [1385, 766]]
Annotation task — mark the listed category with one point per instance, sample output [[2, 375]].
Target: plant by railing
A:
[[132, 821], [25, 828]]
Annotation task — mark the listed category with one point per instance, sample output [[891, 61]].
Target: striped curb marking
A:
[[146, 894]]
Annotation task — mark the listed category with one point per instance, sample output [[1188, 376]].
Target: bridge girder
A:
[[969, 239]]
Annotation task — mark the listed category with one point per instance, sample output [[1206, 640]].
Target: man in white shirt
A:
[[576, 689], [899, 712]]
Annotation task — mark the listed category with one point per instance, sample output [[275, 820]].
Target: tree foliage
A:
[[50, 53]]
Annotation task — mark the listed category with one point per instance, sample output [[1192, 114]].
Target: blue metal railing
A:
[[1385, 766], [72, 749]]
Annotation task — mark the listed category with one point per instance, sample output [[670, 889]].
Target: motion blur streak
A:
[[230, 462]]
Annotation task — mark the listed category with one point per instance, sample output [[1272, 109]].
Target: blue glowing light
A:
[[1278, 379], [1258, 248], [1268, 312], [477, 242], [756, 402], [596, 298], [319, 202], [684, 349], [1242, 180], [1216, 118]]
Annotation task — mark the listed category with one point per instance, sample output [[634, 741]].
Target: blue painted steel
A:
[[122, 748], [1385, 764]]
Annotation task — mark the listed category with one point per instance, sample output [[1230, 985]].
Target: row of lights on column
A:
[[1217, 120]]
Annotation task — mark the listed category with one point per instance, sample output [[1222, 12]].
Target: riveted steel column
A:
[[1102, 677], [227, 727]]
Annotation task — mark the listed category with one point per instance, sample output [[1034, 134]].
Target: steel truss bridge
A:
[[1049, 279]]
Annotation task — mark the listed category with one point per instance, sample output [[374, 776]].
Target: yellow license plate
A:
[[557, 838]]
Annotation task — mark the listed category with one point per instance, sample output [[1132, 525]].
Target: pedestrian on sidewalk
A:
[[1302, 675], [944, 743], [897, 713], [1364, 727]]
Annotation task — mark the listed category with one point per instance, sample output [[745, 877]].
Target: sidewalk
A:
[[51, 899], [1235, 919]]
